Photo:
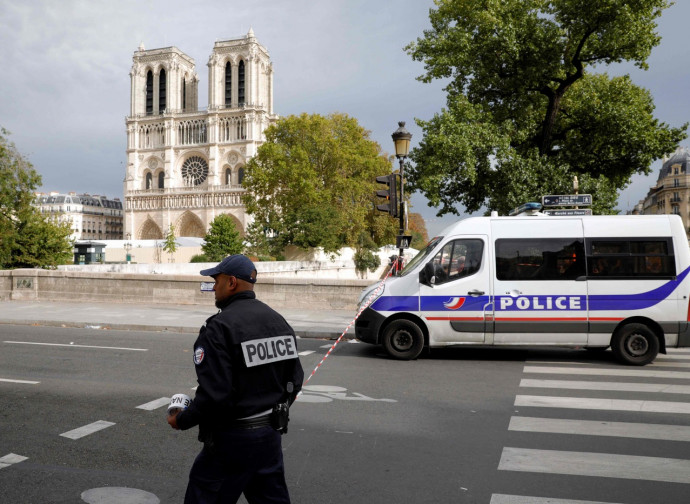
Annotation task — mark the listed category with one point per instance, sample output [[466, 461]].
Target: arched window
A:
[[240, 175], [149, 181], [161, 180], [184, 94], [228, 177], [228, 85], [161, 91], [240, 84], [149, 93]]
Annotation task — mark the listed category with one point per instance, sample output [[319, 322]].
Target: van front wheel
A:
[[403, 339], [635, 344]]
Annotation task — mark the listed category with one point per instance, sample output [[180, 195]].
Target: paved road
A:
[[82, 410]]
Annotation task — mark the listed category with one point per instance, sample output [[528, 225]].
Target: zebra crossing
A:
[[562, 394]]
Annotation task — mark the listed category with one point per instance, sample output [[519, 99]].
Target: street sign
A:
[[403, 241], [569, 211], [567, 200]]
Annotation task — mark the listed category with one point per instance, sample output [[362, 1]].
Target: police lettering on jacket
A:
[[267, 350]]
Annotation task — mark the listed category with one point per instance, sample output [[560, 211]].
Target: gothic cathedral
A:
[[184, 164]]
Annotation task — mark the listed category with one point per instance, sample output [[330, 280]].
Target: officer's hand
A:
[[172, 420]]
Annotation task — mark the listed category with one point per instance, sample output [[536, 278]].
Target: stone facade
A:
[[185, 165], [91, 217], [671, 194]]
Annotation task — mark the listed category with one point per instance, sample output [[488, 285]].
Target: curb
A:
[[302, 333]]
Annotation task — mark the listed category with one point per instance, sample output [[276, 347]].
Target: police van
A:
[[587, 281]]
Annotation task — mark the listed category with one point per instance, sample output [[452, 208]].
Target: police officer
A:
[[248, 372]]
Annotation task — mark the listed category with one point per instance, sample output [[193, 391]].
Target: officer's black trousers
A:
[[243, 460]]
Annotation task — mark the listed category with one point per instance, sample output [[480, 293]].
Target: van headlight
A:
[[369, 295]]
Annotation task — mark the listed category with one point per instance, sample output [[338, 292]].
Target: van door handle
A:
[[475, 292]]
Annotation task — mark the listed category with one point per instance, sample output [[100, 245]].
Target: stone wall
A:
[[59, 285]]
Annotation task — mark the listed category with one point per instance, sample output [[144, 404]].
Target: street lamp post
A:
[[128, 247], [401, 138]]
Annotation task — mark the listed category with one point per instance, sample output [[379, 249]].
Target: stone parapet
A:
[[279, 292]]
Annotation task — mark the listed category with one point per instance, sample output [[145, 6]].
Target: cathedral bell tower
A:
[[184, 164]]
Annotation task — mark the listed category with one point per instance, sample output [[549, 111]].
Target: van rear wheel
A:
[[403, 339], [635, 344]]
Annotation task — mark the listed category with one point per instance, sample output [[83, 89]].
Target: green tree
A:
[[525, 113], [420, 236], [313, 183], [27, 238], [223, 239], [170, 244]]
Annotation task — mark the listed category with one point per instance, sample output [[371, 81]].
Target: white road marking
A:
[[11, 458], [599, 428], [526, 499], [70, 345], [118, 495], [155, 404], [661, 388], [7, 380], [602, 404], [87, 429], [602, 465], [305, 353], [644, 372]]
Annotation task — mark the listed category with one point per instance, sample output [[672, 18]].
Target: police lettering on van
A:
[[577, 281]]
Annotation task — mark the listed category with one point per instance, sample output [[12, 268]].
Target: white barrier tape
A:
[[365, 305]]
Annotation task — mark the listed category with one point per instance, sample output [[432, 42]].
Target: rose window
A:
[[194, 170]]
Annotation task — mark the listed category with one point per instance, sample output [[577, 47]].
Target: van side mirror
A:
[[426, 276]]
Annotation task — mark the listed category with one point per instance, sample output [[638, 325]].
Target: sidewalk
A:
[[159, 317]]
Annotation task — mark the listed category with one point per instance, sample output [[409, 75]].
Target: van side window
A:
[[457, 259], [539, 259], [630, 257]]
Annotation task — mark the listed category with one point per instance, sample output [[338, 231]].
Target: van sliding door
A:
[[540, 284]]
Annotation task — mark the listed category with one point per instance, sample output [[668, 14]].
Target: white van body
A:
[[589, 281]]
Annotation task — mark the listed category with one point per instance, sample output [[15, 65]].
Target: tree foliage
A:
[[312, 184], [223, 239], [420, 236], [525, 111], [27, 238], [170, 244]]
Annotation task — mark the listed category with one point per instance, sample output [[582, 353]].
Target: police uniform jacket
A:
[[244, 357]]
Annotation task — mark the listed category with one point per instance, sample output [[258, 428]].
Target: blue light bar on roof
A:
[[527, 207]]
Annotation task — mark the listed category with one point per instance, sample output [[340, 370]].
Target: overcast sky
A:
[[65, 65]]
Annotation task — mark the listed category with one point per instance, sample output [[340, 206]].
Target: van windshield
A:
[[421, 255]]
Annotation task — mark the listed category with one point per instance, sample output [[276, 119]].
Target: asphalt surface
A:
[[160, 317]]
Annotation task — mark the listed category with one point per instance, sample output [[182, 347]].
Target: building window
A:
[[149, 93], [676, 183], [240, 175], [240, 84], [161, 91], [184, 94], [194, 170], [228, 175], [161, 180], [149, 181], [228, 85]]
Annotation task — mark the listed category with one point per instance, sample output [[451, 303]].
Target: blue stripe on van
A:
[[396, 303], [636, 301], [536, 303]]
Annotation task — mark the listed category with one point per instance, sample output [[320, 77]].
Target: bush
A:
[[199, 258]]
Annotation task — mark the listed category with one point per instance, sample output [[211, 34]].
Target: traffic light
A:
[[390, 194]]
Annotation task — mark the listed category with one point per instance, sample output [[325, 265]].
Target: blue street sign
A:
[[567, 200]]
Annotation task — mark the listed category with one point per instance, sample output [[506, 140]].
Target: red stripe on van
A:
[[540, 319], [455, 318]]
